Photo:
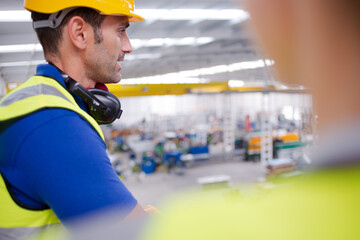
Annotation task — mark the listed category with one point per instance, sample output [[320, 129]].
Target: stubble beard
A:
[[100, 69]]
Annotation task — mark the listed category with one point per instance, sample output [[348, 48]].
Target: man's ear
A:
[[78, 32]]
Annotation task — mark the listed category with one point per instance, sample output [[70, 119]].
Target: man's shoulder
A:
[[40, 118], [40, 123]]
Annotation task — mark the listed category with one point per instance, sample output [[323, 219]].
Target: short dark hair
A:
[[51, 37]]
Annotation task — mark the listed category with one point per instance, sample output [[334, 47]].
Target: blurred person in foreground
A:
[[315, 43], [53, 161]]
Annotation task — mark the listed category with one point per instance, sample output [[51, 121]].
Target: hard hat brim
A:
[[132, 17]]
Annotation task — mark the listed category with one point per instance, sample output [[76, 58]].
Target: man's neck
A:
[[74, 69]]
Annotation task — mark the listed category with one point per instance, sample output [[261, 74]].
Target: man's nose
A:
[[126, 45]]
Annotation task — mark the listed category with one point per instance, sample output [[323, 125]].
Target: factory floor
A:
[[153, 188]]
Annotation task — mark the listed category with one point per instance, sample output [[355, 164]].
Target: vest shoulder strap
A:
[[40, 93]]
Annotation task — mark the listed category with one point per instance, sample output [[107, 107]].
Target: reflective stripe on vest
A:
[[25, 233], [30, 92], [40, 93]]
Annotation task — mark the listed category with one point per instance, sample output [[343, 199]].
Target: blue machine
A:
[[172, 159], [200, 152], [148, 165]]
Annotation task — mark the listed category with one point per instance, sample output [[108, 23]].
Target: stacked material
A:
[[281, 165]]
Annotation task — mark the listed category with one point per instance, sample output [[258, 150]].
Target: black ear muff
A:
[[103, 106], [113, 106]]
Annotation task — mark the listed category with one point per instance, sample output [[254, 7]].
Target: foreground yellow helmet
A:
[[107, 7]]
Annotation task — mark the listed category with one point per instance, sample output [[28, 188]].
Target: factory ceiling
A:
[[181, 41]]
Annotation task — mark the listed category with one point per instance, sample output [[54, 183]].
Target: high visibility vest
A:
[[16, 221], [323, 204]]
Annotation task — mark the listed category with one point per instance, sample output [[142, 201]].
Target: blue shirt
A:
[[53, 158]]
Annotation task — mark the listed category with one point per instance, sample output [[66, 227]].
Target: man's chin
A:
[[115, 79], [118, 77]]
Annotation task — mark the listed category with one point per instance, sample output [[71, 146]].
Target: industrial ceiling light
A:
[[194, 14], [22, 63], [163, 79], [15, 48], [131, 57], [195, 75], [236, 83], [169, 42], [136, 43], [15, 16]]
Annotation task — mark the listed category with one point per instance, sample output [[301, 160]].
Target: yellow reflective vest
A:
[[16, 221], [320, 205]]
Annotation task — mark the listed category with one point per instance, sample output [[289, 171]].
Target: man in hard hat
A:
[[314, 43], [53, 160]]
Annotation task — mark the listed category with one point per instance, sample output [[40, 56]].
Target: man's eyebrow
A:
[[125, 25]]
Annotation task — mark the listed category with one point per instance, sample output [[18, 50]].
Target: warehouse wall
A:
[[189, 108]]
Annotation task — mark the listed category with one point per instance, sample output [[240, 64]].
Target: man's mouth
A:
[[119, 60], [118, 66]]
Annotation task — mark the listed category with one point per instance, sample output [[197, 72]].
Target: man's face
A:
[[273, 22], [101, 60]]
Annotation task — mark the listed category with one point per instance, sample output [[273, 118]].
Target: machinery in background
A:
[[147, 148]]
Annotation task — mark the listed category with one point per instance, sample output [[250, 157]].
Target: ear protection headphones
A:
[[102, 105]]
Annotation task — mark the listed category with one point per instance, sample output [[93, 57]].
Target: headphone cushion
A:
[[111, 102]]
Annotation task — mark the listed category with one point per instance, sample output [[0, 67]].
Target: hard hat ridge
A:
[[106, 7]]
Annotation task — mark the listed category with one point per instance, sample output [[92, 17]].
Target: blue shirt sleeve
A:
[[63, 163]]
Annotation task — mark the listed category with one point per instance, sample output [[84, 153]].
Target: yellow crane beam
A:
[[176, 89], [135, 90]]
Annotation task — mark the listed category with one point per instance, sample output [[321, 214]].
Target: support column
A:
[[266, 153], [2, 86], [229, 127]]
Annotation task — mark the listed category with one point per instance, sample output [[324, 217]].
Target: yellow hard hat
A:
[[107, 7]]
